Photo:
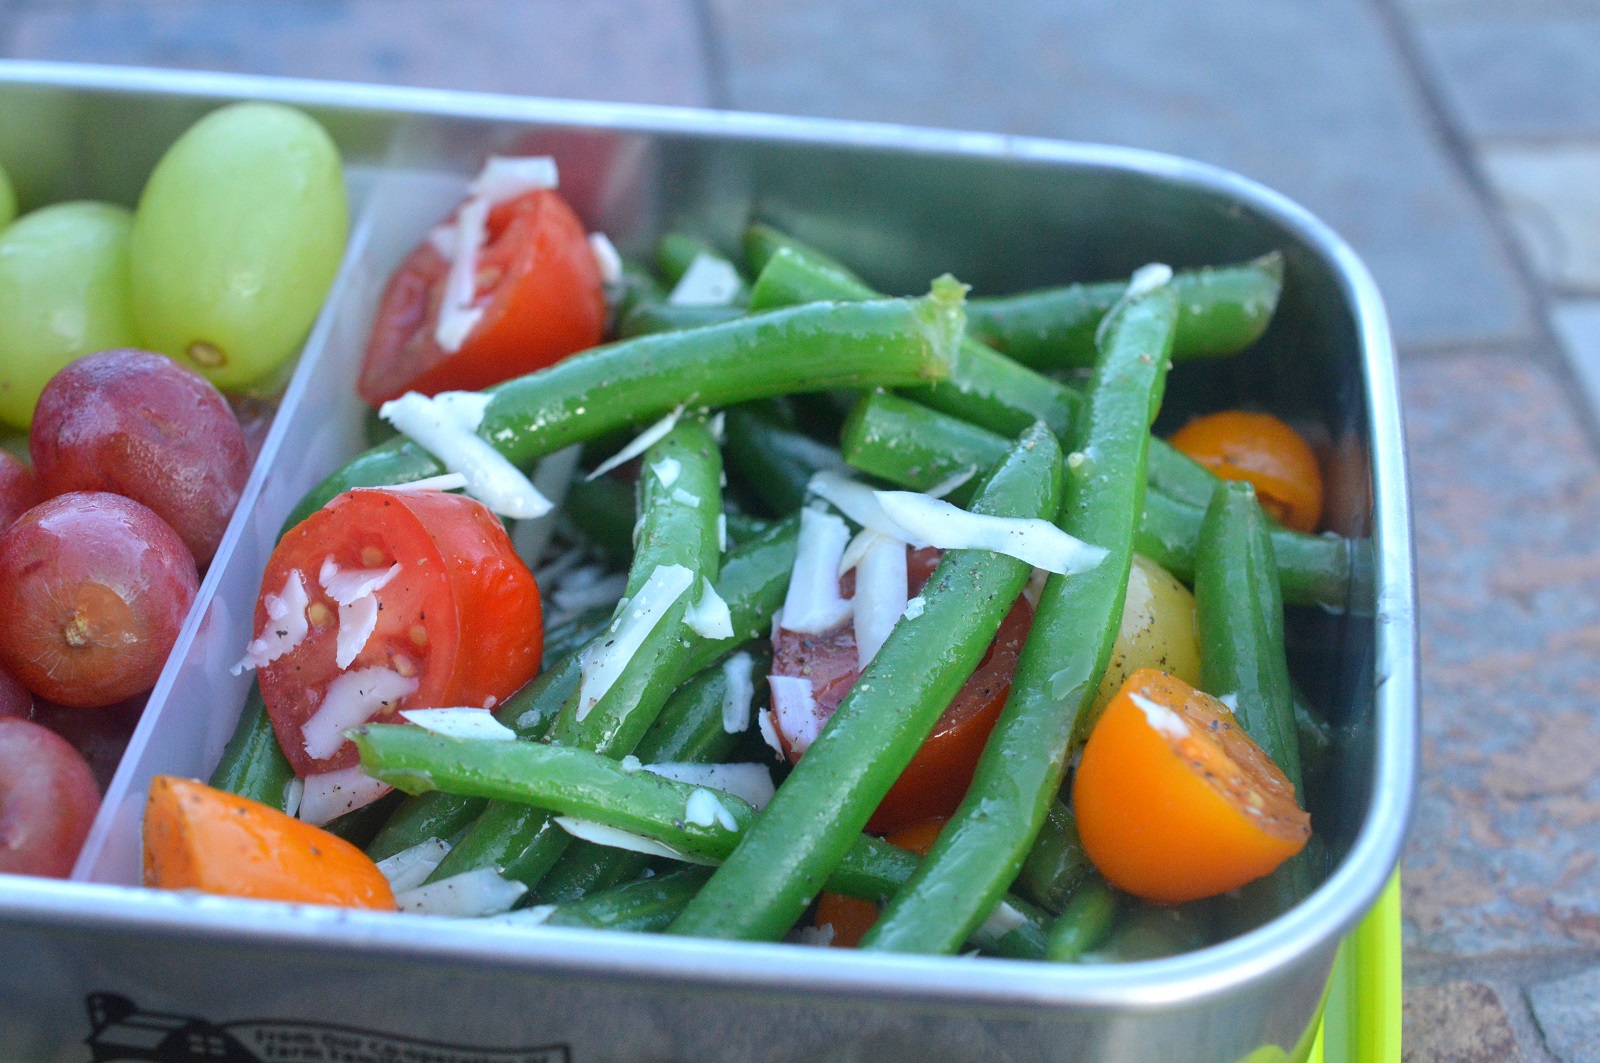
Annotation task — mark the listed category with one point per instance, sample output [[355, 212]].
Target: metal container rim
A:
[[1187, 980]]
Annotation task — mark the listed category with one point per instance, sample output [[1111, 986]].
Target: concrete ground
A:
[[1456, 143]]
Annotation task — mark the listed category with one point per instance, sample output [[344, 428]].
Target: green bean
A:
[[1057, 863], [1221, 310], [529, 712], [689, 730], [984, 387], [761, 890], [523, 842], [676, 252], [753, 581], [572, 635], [883, 344], [908, 444], [982, 847], [603, 510], [1085, 921], [742, 527], [253, 764], [360, 825], [1151, 933], [584, 785], [1312, 569], [1239, 616], [775, 462], [643, 906], [647, 319]]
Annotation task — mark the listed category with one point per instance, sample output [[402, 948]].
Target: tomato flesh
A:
[[538, 286], [461, 617], [937, 778]]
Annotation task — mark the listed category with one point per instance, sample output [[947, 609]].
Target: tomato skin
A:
[[48, 799], [462, 616], [1184, 810], [544, 297], [1258, 447], [852, 917], [937, 778]]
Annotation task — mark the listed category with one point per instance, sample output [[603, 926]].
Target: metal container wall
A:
[[97, 966]]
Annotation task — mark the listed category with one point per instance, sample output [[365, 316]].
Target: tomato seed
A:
[[419, 634]]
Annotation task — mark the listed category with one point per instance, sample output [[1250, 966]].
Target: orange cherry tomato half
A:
[[1174, 802], [852, 917], [538, 286], [461, 617], [203, 839], [1263, 450], [937, 778]]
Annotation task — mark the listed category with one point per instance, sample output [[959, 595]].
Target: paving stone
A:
[[1552, 196], [1577, 325], [645, 51], [1504, 850], [1568, 1014], [1308, 97], [1456, 1022], [1519, 73]]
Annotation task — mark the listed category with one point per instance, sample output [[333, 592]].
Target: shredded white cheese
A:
[[709, 617], [880, 597], [467, 895], [751, 783], [603, 660], [859, 545], [330, 794], [704, 810], [457, 314], [411, 867], [448, 481], [1003, 920], [685, 497], [1232, 701], [461, 723], [1145, 280], [769, 733], [722, 532], [667, 470], [1038, 542], [739, 690], [813, 603], [350, 701], [293, 791], [612, 838], [858, 502], [606, 259], [1161, 719], [354, 590], [709, 281], [505, 177], [446, 426], [286, 626], [795, 705], [815, 936], [914, 608], [1034, 588], [641, 443]]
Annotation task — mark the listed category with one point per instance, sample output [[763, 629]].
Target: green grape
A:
[[237, 238], [8, 200], [63, 294]]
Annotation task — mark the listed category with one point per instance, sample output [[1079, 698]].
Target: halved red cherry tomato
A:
[[538, 286], [852, 917], [938, 776], [461, 617]]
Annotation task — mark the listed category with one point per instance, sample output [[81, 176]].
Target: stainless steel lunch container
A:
[[96, 967]]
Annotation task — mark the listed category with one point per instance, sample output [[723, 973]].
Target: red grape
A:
[[19, 491], [140, 425], [99, 735], [93, 588], [48, 799], [15, 699]]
